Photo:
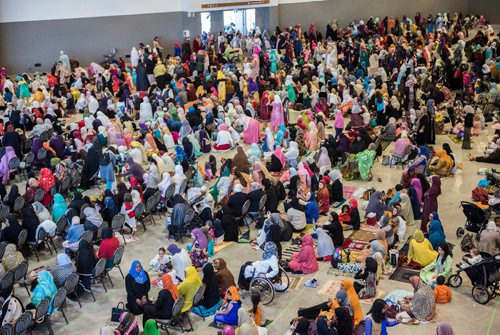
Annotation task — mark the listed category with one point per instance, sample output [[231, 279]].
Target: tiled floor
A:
[[463, 313]]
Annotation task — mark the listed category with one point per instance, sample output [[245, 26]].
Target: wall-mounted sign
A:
[[235, 4]]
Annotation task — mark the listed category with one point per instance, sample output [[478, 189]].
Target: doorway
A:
[[206, 22], [242, 20]]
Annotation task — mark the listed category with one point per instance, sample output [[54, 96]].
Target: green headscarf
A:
[[150, 328]]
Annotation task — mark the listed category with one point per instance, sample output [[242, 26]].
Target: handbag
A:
[[116, 312]]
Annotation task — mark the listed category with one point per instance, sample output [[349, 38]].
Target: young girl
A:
[[257, 312], [160, 261], [344, 216], [128, 211]]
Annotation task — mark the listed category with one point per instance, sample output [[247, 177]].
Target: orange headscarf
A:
[[47, 147], [151, 141], [169, 285], [235, 295]]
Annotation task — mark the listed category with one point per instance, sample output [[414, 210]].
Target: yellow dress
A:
[[189, 287], [421, 250]]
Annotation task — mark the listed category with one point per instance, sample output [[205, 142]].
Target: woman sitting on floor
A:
[[421, 250], [443, 165], [210, 302], [278, 161], [304, 262], [368, 275], [441, 266]]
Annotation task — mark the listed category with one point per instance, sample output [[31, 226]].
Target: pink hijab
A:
[[305, 260], [280, 155], [224, 127], [417, 185], [444, 329]]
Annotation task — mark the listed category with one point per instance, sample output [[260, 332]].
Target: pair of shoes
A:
[[313, 283], [413, 322]]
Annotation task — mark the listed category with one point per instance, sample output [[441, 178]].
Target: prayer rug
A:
[[348, 191], [224, 245], [290, 250], [354, 245], [337, 204], [457, 140], [295, 283], [362, 235], [380, 294], [403, 274], [337, 272], [330, 288]]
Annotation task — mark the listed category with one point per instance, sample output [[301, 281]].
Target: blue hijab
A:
[[436, 232], [270, 250], [140, 277], [180, 155]]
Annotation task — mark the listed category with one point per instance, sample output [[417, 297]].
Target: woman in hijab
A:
[[189, 287], [224, 277], [187, 146], [334, 230], [90, 168], [11, 307], [355, 220], [46, 181], [108, 246], [11, 258], [421, 250], [323, 197], [210, 302], [11, 232], [272, 201], [30, 222], [278, 161], [178, 178], [292, 154], [376, 204], [162, 307], [312, 209], [228, 312], [323, 161], [59, 207], [85, 265], [134, 170], [366, 286], [267, 266], [417, 185], [444, 328], [128, 323], [342, 324], [44, 288], [436, 232], [325, 245], [198, 251], [240, 161], [12, 139], [150, 328], [254, 154], [305, 260], [63, 269], [180, 260], [337, 189], [430, 201], [137, 285]]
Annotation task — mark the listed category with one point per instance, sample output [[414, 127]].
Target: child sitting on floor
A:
[[344, 216], [442, 293], [160, 261]]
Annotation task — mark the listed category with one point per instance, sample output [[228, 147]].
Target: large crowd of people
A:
[[258, 130]]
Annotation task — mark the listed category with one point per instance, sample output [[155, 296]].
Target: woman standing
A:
[[430, 201]]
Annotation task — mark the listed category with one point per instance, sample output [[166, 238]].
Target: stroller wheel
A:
[[455, 281], [460, 232], [493, 292], [480, 294]]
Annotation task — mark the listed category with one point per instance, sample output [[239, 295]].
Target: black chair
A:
[[42, 236], [58, 303], [150, 206], [3, 245], [41, 316], [139, 210], [65, 183], [7, 281], [198, 296], [117, 260], [183, 186], [41, 155], [7, 329], [21, 239], [23, 323], [244, 211], [88, 236], [27, 162], [70, 286], [39, 194], [18, 204], [99, 273], [75, 179], [4, 212], [14, 164], [117, 225], [20, 275], [176, 309], [61, 226]]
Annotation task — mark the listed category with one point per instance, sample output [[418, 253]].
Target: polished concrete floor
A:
[[466, 316]]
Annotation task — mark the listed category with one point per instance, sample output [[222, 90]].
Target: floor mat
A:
[[295, 283], [403, 274], [338, 204], [380, 294], [330, 288], [337, 272], [290, 250], [224, 245], [354, 245], [362, 235], [456, 140], [348, 191]]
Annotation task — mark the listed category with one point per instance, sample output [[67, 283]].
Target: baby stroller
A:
[[484, 276], [476, 218]]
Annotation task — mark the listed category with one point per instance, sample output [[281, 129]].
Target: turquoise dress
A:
[[24, 91]]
